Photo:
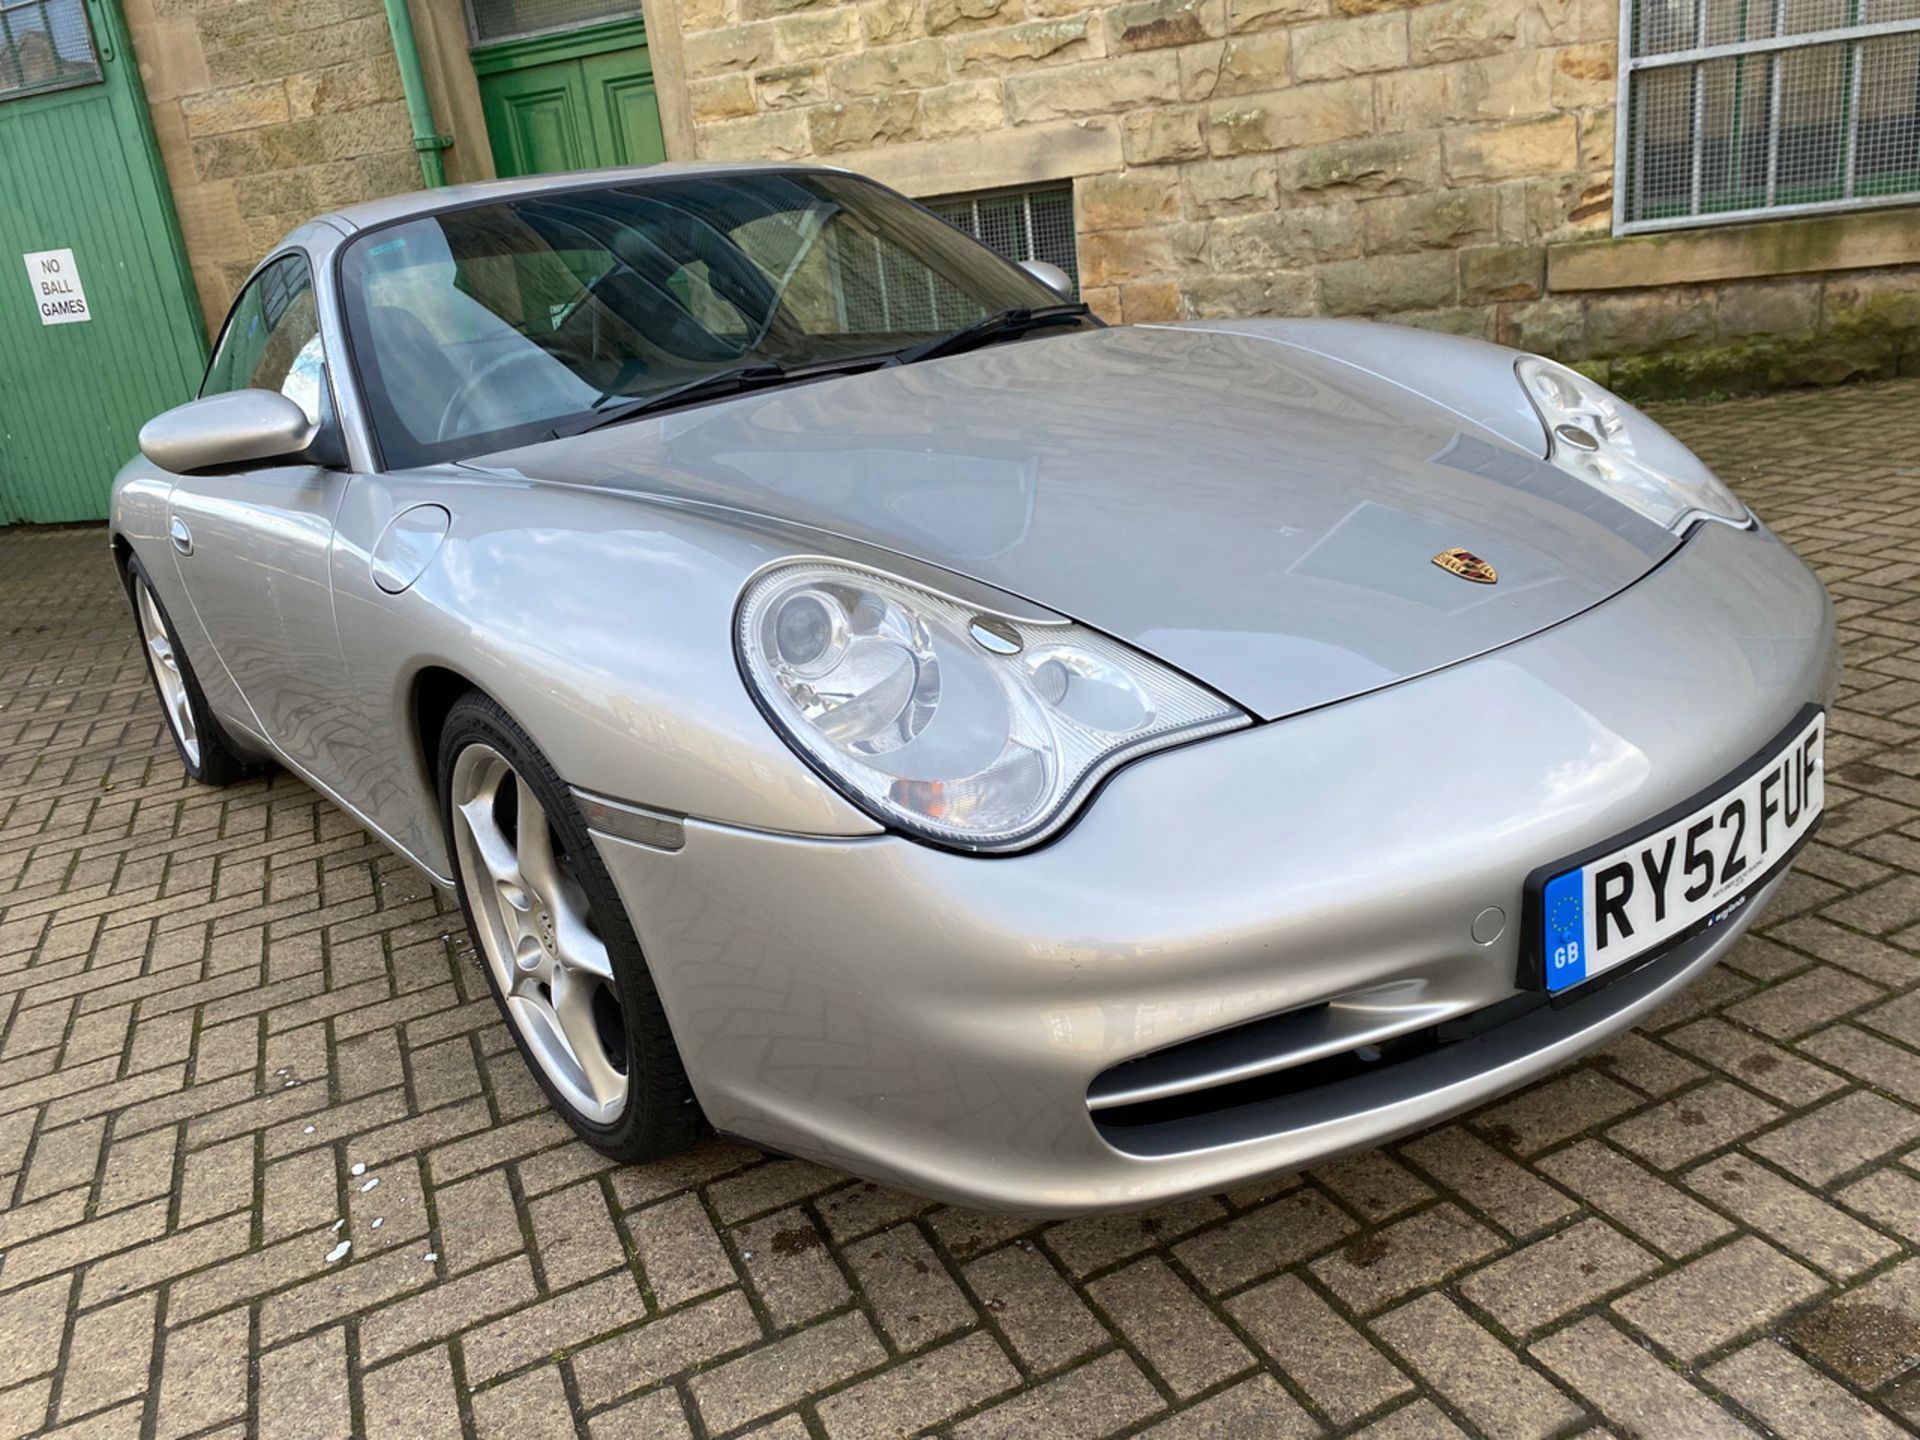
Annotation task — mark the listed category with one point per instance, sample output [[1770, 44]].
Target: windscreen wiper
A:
[[701, 387], [714, 386], [1001, 323]]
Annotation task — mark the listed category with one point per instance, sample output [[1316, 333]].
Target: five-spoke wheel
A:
[[205, 749], [166, 670], [538, 935], [558, 949]]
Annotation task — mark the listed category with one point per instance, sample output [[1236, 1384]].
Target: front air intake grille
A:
[[1184, 1099], [1290, 1079]]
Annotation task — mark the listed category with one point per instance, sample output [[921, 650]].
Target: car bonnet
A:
[[1271, 521]]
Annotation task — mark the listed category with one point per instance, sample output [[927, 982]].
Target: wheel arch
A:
[[434, 691], [607, 638]]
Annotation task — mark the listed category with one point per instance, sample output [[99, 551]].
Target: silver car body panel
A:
[[937, 1019], [1255, 502], [1240, 537], [1465, 376]]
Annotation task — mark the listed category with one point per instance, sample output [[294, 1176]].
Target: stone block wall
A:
[[1432, 162], [267, 112], [1738, 308], [1409, 161], [1267, 156], [1740, 337]]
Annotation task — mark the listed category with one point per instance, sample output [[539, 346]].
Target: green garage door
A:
[[570, 100], [99, 327]]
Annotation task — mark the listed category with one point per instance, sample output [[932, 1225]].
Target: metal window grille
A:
[[1737, 109], [492, 20], [44, 45], [882, 289], [1032, 224]]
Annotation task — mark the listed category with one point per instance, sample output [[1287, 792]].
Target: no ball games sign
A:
[[56, 287]]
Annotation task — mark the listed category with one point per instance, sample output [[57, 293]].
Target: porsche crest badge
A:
[[1467, 565]]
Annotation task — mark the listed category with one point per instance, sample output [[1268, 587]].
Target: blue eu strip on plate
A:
[[1565, 930]]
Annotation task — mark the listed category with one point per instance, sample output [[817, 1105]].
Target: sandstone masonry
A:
[[269, 112], [1419, 162], [1442, 163]]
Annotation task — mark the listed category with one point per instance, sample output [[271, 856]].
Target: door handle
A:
[[182, 537]]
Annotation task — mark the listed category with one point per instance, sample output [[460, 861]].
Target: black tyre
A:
[[554, 939], [203, 746]]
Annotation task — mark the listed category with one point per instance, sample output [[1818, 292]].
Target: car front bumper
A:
[[936, 1020]]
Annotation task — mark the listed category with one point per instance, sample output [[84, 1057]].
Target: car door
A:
[[252, 546]]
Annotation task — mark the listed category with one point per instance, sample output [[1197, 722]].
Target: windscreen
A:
[[489, 326]]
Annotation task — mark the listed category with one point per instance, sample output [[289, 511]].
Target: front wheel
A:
[[560, 954]]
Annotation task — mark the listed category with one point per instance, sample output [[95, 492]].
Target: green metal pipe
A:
[[427, 139]]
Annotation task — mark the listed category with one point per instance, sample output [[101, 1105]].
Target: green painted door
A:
[[99, 325], [570, 102]]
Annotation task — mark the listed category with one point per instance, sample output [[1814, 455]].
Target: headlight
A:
[[1599, 438], [968, 728]]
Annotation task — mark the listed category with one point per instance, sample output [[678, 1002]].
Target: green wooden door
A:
[[570, 102], [99, 325]]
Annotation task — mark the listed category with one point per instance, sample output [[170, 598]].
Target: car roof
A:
[[448, 197]]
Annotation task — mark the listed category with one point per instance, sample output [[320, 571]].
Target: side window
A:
[[272, 339]]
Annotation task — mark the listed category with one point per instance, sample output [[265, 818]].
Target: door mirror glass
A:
[[1051, 276], [224, 432]]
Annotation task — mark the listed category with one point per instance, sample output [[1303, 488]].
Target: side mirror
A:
[[1051, 276], [221, 432]]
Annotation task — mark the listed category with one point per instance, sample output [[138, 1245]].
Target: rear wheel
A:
[[559, 952], [196, 734]]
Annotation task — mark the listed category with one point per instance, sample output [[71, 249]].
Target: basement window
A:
[[1031, 224], [44, 45], [1739, 109]]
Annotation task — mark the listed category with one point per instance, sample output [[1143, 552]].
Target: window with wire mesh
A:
[[44, 45], [1034, 224], [1743, 108], [881, 288], [491, 20]]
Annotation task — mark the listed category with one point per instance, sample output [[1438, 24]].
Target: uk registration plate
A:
[[1686, 873]]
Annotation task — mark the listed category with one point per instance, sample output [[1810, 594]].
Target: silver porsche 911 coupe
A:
[[869, 706]]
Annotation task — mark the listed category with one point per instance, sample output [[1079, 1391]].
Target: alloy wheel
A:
[[537, 932], [165, 661]]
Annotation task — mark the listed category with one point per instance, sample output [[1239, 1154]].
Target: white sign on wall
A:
[[56, 287]]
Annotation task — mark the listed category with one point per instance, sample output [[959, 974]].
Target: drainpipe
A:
[[427, 139]]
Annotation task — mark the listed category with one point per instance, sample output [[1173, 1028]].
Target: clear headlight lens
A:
[[1599, 438], [971, 729]]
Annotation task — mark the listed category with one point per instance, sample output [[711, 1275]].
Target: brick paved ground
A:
[[215, 1007]]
